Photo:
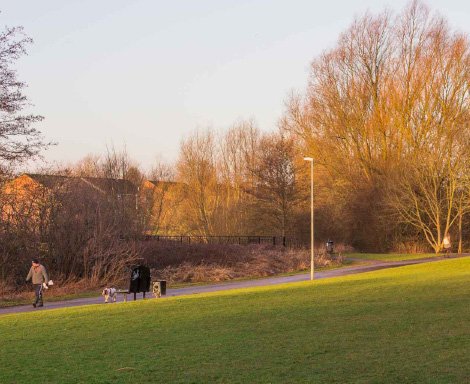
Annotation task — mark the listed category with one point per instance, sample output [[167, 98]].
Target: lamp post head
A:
[[308, 159]]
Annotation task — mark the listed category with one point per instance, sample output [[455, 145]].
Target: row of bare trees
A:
[[240, 182]]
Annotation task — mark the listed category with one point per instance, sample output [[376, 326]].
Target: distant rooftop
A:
[[104, 185]]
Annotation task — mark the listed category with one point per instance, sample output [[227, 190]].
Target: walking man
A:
[[39, 275]]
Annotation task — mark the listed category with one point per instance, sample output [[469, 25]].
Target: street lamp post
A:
[[310, 159]]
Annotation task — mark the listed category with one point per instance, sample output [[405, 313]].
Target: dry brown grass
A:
[[411, 247], [195, 263]]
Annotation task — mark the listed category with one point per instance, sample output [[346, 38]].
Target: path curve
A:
[[371, 265]]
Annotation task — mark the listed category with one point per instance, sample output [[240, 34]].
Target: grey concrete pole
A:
[[312, 240]]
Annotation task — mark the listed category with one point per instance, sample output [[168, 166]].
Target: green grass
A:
[[402, 325], [391, 256]]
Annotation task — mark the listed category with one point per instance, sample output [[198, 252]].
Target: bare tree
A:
[[197, 170], [237, 161], [427, 195], [89, 166], [119, 165], [19, 139], [161, 198], [276, 189]]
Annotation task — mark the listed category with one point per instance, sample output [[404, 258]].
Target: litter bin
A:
[[140, 280], [329, 246]]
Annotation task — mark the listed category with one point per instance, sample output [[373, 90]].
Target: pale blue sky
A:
[[146, 73]]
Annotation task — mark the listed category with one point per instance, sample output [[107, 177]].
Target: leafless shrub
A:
[[412, 247], [106, 258]]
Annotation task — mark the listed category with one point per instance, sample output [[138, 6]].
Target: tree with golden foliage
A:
[[388, 109]]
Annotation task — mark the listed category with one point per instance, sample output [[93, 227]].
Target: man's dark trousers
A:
[[38, 292]]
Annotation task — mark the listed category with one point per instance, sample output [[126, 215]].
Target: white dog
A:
[[109, 293], [156, 289]]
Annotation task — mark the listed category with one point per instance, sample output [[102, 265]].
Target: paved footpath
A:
[[369, 265]]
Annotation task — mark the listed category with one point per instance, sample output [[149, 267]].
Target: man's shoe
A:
[[34, 305]]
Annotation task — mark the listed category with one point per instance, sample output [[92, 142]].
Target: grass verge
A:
[[406, 325]]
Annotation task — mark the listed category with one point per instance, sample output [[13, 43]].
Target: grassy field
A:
[[403, 325], [391, 256]]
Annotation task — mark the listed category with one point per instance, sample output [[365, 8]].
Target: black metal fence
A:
[[240, 240]]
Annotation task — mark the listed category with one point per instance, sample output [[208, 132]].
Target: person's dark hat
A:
[[35, 261]]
